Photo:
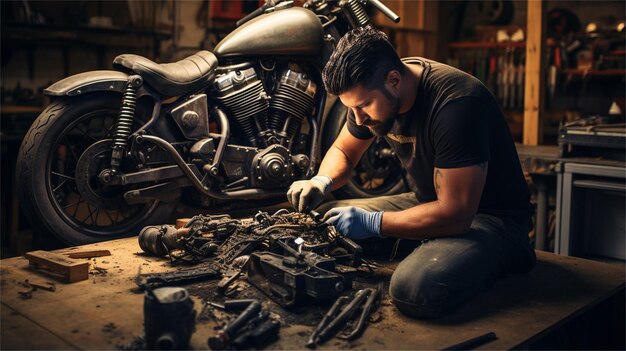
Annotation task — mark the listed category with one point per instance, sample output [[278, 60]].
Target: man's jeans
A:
[[442, 273]]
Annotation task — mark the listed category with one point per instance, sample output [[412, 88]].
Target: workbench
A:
[[106, 311]]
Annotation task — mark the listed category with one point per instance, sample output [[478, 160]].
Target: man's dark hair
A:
[[363, 56]]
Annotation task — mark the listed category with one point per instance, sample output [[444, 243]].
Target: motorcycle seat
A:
[[172, 79]]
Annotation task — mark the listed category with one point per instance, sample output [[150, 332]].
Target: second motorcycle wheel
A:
[[378, 173], [58, 165]]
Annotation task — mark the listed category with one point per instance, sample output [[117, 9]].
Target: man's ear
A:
[[393, 80]]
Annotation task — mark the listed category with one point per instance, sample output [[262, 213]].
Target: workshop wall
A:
[[44, 41]]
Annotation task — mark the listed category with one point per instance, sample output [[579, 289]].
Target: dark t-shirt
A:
[[456, 122]]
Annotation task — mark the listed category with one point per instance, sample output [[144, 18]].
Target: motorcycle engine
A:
[[265, 122]]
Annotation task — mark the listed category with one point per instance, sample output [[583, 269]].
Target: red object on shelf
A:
[[557, 57], [232, 9]]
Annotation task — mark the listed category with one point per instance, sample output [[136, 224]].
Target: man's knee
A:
[[420, 294]]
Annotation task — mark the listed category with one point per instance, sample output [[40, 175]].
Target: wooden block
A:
[[69, 270], [89, 254]]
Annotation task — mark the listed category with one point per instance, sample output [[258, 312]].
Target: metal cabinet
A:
[[590, 210]]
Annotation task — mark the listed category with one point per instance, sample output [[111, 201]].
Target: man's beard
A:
[[382, 128]]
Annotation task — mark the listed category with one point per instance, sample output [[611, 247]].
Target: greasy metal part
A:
[[292, 280], [149, 175], [361, 324], [253, 328], [332, 312], [166, 192], [226, 195], [293, 257], [224, 336], [227, 281], [224, 137], [159, 240], [183, 276], [317, 217], [344, 315], [258, 337], [169, 318]]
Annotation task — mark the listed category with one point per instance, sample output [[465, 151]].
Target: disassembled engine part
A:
[[251, 329], [198, 239], [291, 280], [293, 256], [182, 276], [169, 318], [341, 312]]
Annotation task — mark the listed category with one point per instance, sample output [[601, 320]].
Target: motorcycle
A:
[[117, 150]]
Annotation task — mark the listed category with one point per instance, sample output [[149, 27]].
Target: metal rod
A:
[[473, 342]]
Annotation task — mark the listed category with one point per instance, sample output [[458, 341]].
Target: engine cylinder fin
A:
[[291, 103], [245, 105]]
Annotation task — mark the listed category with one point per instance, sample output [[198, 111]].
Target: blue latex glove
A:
[[354, 222]]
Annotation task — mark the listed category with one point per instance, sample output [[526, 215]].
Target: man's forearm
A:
[[337, 166], [428, 220]]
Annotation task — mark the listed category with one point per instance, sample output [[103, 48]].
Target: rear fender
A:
[[88, 82]]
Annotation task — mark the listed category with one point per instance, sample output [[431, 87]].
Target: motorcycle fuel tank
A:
[[294, 31]]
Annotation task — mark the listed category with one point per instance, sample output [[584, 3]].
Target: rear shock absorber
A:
[[124, 125]]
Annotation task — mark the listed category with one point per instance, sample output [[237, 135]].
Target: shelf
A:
[[20, 109], [97, 39], [24, 34], [486, 45], [596, 72], [66, 31]]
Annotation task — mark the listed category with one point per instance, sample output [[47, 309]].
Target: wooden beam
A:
[[535, 72]]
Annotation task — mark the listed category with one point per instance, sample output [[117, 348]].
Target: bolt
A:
[[299, 241]]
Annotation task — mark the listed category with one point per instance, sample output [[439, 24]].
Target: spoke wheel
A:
[[378, 173], [60, 160]]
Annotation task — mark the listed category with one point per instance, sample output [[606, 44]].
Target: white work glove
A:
[[306, 195]]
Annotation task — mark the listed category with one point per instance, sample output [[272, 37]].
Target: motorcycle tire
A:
[[58, 189], [373, 176]]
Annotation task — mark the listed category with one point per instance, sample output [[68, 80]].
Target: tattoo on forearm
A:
[[438, 174]]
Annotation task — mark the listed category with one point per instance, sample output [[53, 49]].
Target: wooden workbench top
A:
[[106, 312]]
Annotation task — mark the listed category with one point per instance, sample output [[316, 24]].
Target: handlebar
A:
[[271, 3], [385, 10], [252, 14]]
